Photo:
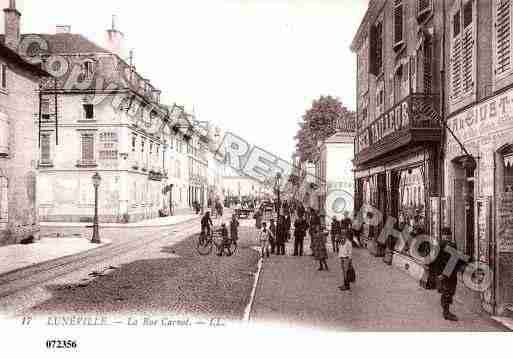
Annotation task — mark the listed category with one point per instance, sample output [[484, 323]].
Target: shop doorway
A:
[[464, 205]]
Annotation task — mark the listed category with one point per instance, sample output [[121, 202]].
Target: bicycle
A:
[[207, 242]]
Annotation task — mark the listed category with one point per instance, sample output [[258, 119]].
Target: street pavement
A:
[[163, 275], [292, 292]]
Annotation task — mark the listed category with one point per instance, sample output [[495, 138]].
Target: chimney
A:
[[63, 29], [12, 26], [115, 39]]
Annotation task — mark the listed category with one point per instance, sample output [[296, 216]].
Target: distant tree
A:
[[321, 121]]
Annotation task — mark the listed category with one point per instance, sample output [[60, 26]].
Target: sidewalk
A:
[[17, 256], [155, 222], [292, 292]]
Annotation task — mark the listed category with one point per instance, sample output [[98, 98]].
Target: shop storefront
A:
[[401, 187], [479, 186]]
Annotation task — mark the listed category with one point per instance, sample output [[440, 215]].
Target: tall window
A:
[[462, 50], [4, 199], [88, 69], [503, 35], [398, 22], [87, 148], [376, 49], [3, 76], [424, 7], [4, 135], [45, 109], [88, 111], [45, 149]]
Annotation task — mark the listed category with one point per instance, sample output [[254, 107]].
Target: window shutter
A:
[[88, 148], [398, 21], [428, 76], [503, 36], [467, 46], [423, 6], [372, 51], [379, 47], [4, 135], [455, 76]]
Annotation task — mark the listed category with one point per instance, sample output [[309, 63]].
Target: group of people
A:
[[207, 227], [273, 238]]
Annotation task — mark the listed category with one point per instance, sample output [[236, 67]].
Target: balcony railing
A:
[[417, 111]]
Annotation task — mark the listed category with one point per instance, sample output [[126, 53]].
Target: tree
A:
[[321, 121]]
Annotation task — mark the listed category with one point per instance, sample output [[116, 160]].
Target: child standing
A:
[[264, 239]]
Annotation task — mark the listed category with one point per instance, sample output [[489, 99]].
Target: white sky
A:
[[252, 66]]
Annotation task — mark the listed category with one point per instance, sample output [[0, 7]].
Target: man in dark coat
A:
[[281, 235], [335, 232], [272, 237], [300, 228], [447, 281]]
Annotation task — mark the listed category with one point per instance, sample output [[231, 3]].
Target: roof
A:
[[370, 17], [15, 58], [67, 43]]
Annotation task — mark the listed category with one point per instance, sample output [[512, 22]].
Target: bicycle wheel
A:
[[204, 245]]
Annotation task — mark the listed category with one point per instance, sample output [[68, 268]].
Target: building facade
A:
[[19, 81], [478, 167], [397, 159], [100, 115], [336, 172]]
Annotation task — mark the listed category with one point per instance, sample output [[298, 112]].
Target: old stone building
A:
[[19, 82], [100, 115], [478, 181], [397, 166]]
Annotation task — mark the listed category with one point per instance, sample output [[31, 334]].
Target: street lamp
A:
[[96, 183], [277, 186]]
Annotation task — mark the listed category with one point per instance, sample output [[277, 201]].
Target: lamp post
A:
[[96, 183], [277, 187]]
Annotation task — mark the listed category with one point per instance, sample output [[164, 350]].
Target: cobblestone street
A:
[[291, 292]]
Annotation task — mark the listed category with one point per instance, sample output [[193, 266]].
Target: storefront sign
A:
[[505, 234], [490, 116], [482, 228]]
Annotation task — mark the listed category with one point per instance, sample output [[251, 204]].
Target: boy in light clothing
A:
[[264, 239], [345, 254]]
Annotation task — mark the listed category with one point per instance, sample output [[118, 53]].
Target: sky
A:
[[251, 66]]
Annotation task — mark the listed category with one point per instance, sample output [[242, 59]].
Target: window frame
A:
[[508, 71], [85, 113], [4, 84], [398, 43]]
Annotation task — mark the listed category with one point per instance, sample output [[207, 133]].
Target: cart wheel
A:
[[204, 246]]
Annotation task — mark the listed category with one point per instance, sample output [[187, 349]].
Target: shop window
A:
[[508, 173], [88, 69]]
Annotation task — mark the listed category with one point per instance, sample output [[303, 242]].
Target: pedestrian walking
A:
[[346, 227], [225, 239], [447, 281], [281, 235], [258, 218], [264, 240], [345, 254], [335, 233], [319, 248], [300, 228], [234, 228], [272, 228], [315, 222]]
